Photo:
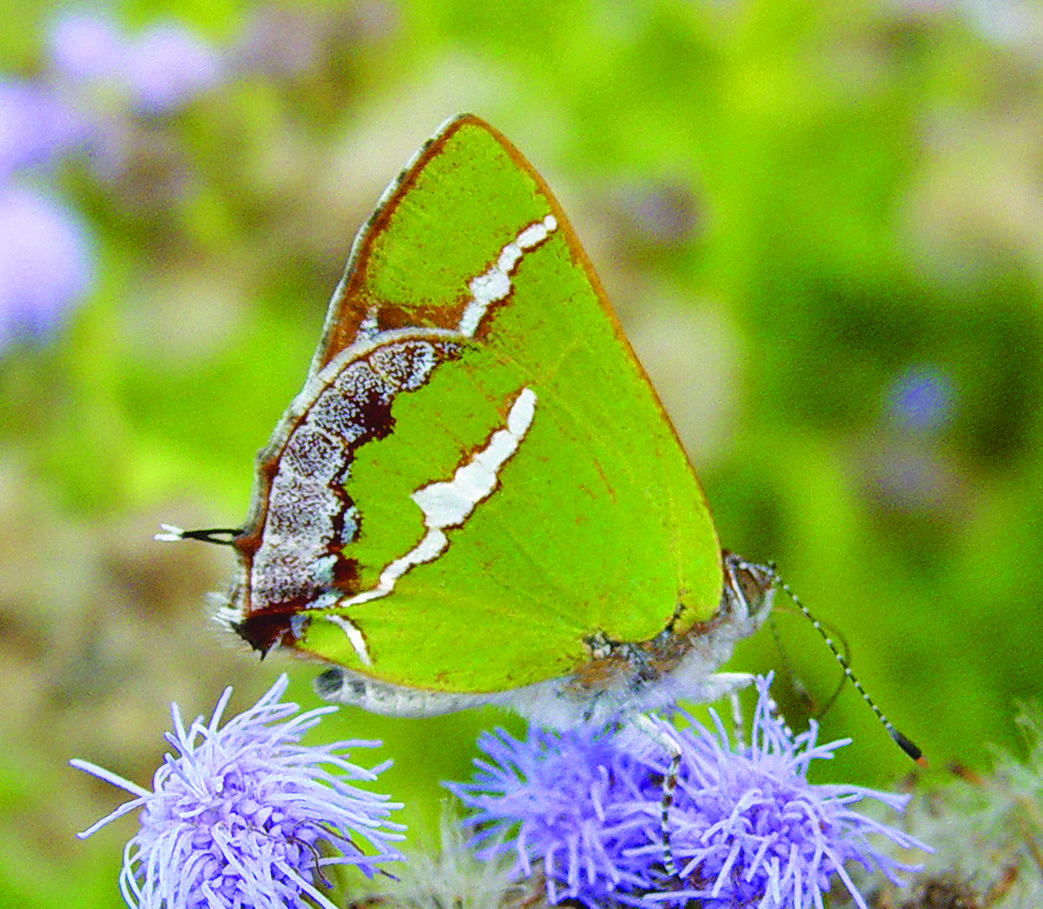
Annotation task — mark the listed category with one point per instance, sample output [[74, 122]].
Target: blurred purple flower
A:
[[85, 47], [244, 815], [154, 72], [45, 263], [35, 125], [746, 829], [167, 66], [921, 399]]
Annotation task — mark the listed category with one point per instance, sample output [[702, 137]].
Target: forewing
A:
[[517, 487]]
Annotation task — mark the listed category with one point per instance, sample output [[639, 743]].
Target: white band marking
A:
[[355, 637], [451, 502], [447, 503], [495, 284]]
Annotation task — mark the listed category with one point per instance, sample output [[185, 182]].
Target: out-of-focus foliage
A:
[[821, 224]]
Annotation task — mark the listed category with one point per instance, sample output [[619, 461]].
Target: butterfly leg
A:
[[668, 743], [715, 687]]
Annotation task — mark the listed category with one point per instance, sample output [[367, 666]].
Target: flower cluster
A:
[[45, 265], [153, 72], [93, 77], [584, 808], [245, 815]]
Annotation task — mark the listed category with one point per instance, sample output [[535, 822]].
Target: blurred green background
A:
[[821, 227]]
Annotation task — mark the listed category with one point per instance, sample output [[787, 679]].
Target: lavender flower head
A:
[[245, 815], [155, 72], [746, 829], [921, 400], [36, 126], [46, 263]]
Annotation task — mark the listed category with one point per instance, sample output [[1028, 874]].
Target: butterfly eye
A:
[[748, 588]]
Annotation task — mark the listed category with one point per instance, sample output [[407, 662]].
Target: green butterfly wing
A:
[[590, 519]]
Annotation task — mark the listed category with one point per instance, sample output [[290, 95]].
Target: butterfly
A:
[[477, 496]]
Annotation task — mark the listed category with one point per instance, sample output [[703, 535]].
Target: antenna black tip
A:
[[909, 747], [900, 740]]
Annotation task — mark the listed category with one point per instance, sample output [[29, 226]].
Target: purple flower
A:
[[921, 400], [35, 125], [45, 264], [246, 816], [155, 72], [85, 48], [746, 829], [167, 66]]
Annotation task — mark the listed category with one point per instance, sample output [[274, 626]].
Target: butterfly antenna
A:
[[836, 633], [906, 744], [220, 536]]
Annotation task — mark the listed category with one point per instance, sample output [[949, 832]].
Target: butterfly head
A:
[[747, 595]]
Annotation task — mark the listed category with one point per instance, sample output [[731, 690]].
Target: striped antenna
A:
[[906, 744]]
